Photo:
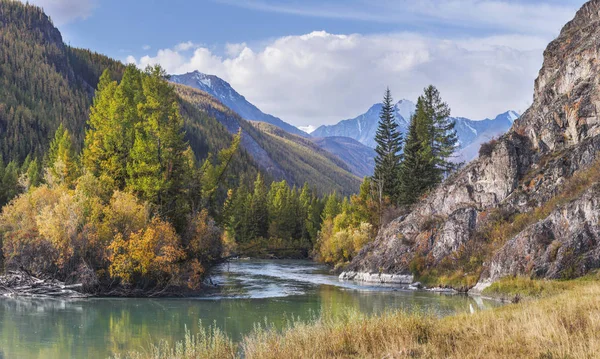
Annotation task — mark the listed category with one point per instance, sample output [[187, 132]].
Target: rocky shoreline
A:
[[377, 277]]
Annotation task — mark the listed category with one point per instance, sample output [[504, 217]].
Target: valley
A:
[[150, 210]]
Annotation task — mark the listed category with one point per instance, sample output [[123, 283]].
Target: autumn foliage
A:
[[131, 211]]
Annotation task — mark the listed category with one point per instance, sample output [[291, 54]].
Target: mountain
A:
[[530, 205], [44, 83], [359, 158], [364, 127], [282, 155], [472, 134], [222, 91]]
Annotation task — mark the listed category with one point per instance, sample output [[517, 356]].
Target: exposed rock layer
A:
[[558, 136]]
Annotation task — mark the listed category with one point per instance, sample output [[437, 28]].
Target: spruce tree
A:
[[442, 135], [157, 169], [417, 166], [259, 211], [389, 145]]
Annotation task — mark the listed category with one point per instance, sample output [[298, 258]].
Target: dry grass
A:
[[565, 325]]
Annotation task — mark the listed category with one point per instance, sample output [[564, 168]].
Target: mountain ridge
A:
[[363, 127], [226, 94]]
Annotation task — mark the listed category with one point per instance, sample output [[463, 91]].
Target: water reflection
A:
[[249, 292]]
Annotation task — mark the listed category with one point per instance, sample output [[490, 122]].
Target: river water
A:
[[246, 292]]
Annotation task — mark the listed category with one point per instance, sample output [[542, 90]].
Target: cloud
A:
[[322, 78], [185, 46], [541, 17], [146, 47], [66, 11]]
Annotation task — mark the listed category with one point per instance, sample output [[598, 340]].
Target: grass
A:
[[527, 288], [564, 323]]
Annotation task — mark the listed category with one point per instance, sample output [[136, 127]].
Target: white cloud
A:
[[146, 47], [321, 78], [65, 11], [185, 46]]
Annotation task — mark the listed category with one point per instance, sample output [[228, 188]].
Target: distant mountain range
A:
[[358, 157], [351, 140], [222, 91], [470, 133]]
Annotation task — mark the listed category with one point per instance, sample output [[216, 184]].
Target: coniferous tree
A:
[[62, 162], [259, 210], [417, 165], [8, 181], [389, 146], [331, 208], [441, 133], [157, 168]]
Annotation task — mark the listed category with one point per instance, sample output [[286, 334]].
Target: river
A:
[[247, 292]]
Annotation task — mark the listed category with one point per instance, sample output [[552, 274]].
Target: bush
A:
[[149, 255], [203, 238], [487, 148]]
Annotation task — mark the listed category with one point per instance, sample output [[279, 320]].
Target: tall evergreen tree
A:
[[389, 146], [62, 161], [259, 210], [442, 135], [417, 165], [158, 165]]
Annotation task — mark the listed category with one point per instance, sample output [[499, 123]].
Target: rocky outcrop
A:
[[377, 277], [564, 244], [557, 137]]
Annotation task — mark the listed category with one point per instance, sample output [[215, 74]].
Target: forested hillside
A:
[[45, 83], [38, 87], [283, 156]]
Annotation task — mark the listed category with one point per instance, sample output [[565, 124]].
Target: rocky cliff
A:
[[528, 208]]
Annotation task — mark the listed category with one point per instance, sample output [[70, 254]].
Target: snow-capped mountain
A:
[[364, 127], [222, 91], [470, 133]]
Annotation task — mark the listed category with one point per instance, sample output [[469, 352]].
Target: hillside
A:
[[45, 83], [222, 91], [529, 206], [304, 161], [360, 158], [282, 155]]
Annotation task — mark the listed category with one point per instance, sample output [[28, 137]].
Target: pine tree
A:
[[332, 207], [442, 135], [62, 162], [157, 168], [259, 211], [389, 145], [415, 172], [95, 153]]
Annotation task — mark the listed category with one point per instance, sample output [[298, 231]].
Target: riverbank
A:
[[560, 320]]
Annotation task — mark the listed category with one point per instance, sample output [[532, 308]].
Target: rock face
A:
[[555, 139]]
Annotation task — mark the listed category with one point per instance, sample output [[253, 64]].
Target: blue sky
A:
[[314, 62]]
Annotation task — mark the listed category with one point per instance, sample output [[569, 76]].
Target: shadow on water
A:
[[249, 292]]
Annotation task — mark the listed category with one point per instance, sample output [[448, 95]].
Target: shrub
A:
[[203, 238], [149, 255], [487, 148]]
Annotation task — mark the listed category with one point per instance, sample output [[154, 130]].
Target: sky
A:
[[314, 62]]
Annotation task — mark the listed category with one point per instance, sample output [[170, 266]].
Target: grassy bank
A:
[[564, 323]]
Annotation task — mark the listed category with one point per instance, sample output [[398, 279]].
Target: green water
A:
[[248, 292]]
